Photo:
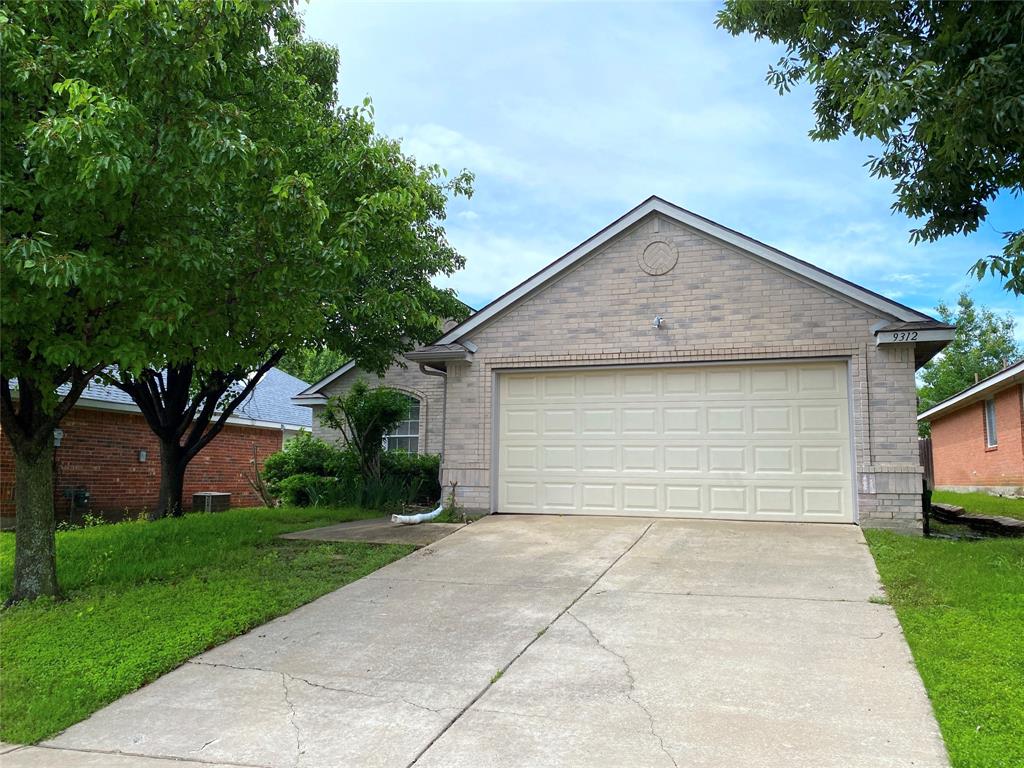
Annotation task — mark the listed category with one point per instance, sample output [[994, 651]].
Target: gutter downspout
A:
[[427, 516]]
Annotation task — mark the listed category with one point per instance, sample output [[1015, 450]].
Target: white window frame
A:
[[991, 425], [404, 425]]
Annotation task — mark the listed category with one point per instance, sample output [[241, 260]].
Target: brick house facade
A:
[[969, 452], [662, 290], [107, 449]]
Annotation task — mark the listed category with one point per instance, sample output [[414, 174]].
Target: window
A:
[[991, 436], [406, 436]]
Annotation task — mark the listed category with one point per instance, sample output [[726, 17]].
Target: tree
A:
[[353, 276], [174, 172], [364, 416], [983, 344], [118, 133], [940, 85], [311, 365]]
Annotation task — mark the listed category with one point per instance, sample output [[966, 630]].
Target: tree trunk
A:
[[172, 481], [35, 545]]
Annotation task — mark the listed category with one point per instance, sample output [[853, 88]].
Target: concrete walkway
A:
[[379, 530], [545, 641]]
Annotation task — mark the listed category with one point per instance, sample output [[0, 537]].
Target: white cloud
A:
[[431, 143], [497, 263]]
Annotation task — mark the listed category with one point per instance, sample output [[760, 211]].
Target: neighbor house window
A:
[[406, 436], [991, 436]]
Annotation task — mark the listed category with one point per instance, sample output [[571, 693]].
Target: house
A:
[[978, 435], [670, 366], [105, 448]]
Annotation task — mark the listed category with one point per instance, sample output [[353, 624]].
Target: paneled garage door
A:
[[759, 442]]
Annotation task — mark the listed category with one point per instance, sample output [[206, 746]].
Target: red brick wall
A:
[[100, 452], [961, 456]]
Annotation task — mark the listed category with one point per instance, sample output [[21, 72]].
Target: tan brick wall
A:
[[962, 457], [428, 389], [718, 304]]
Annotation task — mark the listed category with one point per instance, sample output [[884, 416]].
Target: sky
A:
[[571, 114]]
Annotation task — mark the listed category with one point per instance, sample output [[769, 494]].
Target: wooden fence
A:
[[924, 449]]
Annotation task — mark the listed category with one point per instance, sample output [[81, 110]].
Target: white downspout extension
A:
[[425, 517]]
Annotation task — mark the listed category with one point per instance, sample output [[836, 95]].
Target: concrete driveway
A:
[[547, 641]]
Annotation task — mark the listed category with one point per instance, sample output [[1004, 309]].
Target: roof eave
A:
[[1007, 377]]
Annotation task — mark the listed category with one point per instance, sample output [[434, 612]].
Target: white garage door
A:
[[755, 442]]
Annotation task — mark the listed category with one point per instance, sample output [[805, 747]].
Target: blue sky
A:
[[571, 114]]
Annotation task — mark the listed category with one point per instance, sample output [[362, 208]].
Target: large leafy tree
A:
[[356, 282], [983, 344], [939, 84], [156, 210]]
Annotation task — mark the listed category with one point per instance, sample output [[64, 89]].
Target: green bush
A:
[[310, 472], [304, 455], [417, 471]]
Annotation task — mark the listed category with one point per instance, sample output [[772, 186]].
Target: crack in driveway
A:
[[324, 686], [527, 647], [631, 678], [291, 719]]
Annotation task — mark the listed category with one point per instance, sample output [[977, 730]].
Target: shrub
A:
[[364, 416], [303, 455], [315, 491], [418, 473], [310, 472]]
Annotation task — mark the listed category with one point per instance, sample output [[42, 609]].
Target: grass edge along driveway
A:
[[961, 606], [141, 598]]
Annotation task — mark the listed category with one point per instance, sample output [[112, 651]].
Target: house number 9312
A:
[[904, 336]]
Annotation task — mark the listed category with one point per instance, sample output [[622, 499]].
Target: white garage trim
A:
[[734, 440]]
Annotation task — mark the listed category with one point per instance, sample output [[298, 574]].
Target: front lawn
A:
[[982, 503], [141, 598], [961, 604]]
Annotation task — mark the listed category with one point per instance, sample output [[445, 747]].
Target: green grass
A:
[[141, 598], [961, 605], [982, 503]]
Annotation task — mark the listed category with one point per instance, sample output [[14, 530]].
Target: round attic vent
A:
[[658, 258]]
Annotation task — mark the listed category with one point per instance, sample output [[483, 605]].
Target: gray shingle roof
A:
[[271, 400]]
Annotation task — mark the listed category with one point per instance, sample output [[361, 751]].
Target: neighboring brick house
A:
[[107, 448], [978, 435], [669, 366]]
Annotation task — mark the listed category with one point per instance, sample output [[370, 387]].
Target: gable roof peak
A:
[[655, 204]]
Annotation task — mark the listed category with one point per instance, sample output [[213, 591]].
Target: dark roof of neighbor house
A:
[[1010, 375], [269, 402]]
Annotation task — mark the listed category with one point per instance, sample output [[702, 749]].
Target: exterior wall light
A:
[[143, 455], [658, 321], [58, 435]]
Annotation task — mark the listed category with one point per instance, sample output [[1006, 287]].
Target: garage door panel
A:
[[599, 497], [682, 458], [768, 442], [775, 502], [727, 458], [559, 458], [772, 419], [725, 420], [640, 458], [597, 421], [640, 498]]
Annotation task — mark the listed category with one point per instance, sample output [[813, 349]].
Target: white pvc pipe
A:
[[420, 518]]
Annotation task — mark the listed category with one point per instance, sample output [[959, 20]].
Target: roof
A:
[[833, 283], [268, 405], [1007, 377], [311, 395], [917, 325]]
